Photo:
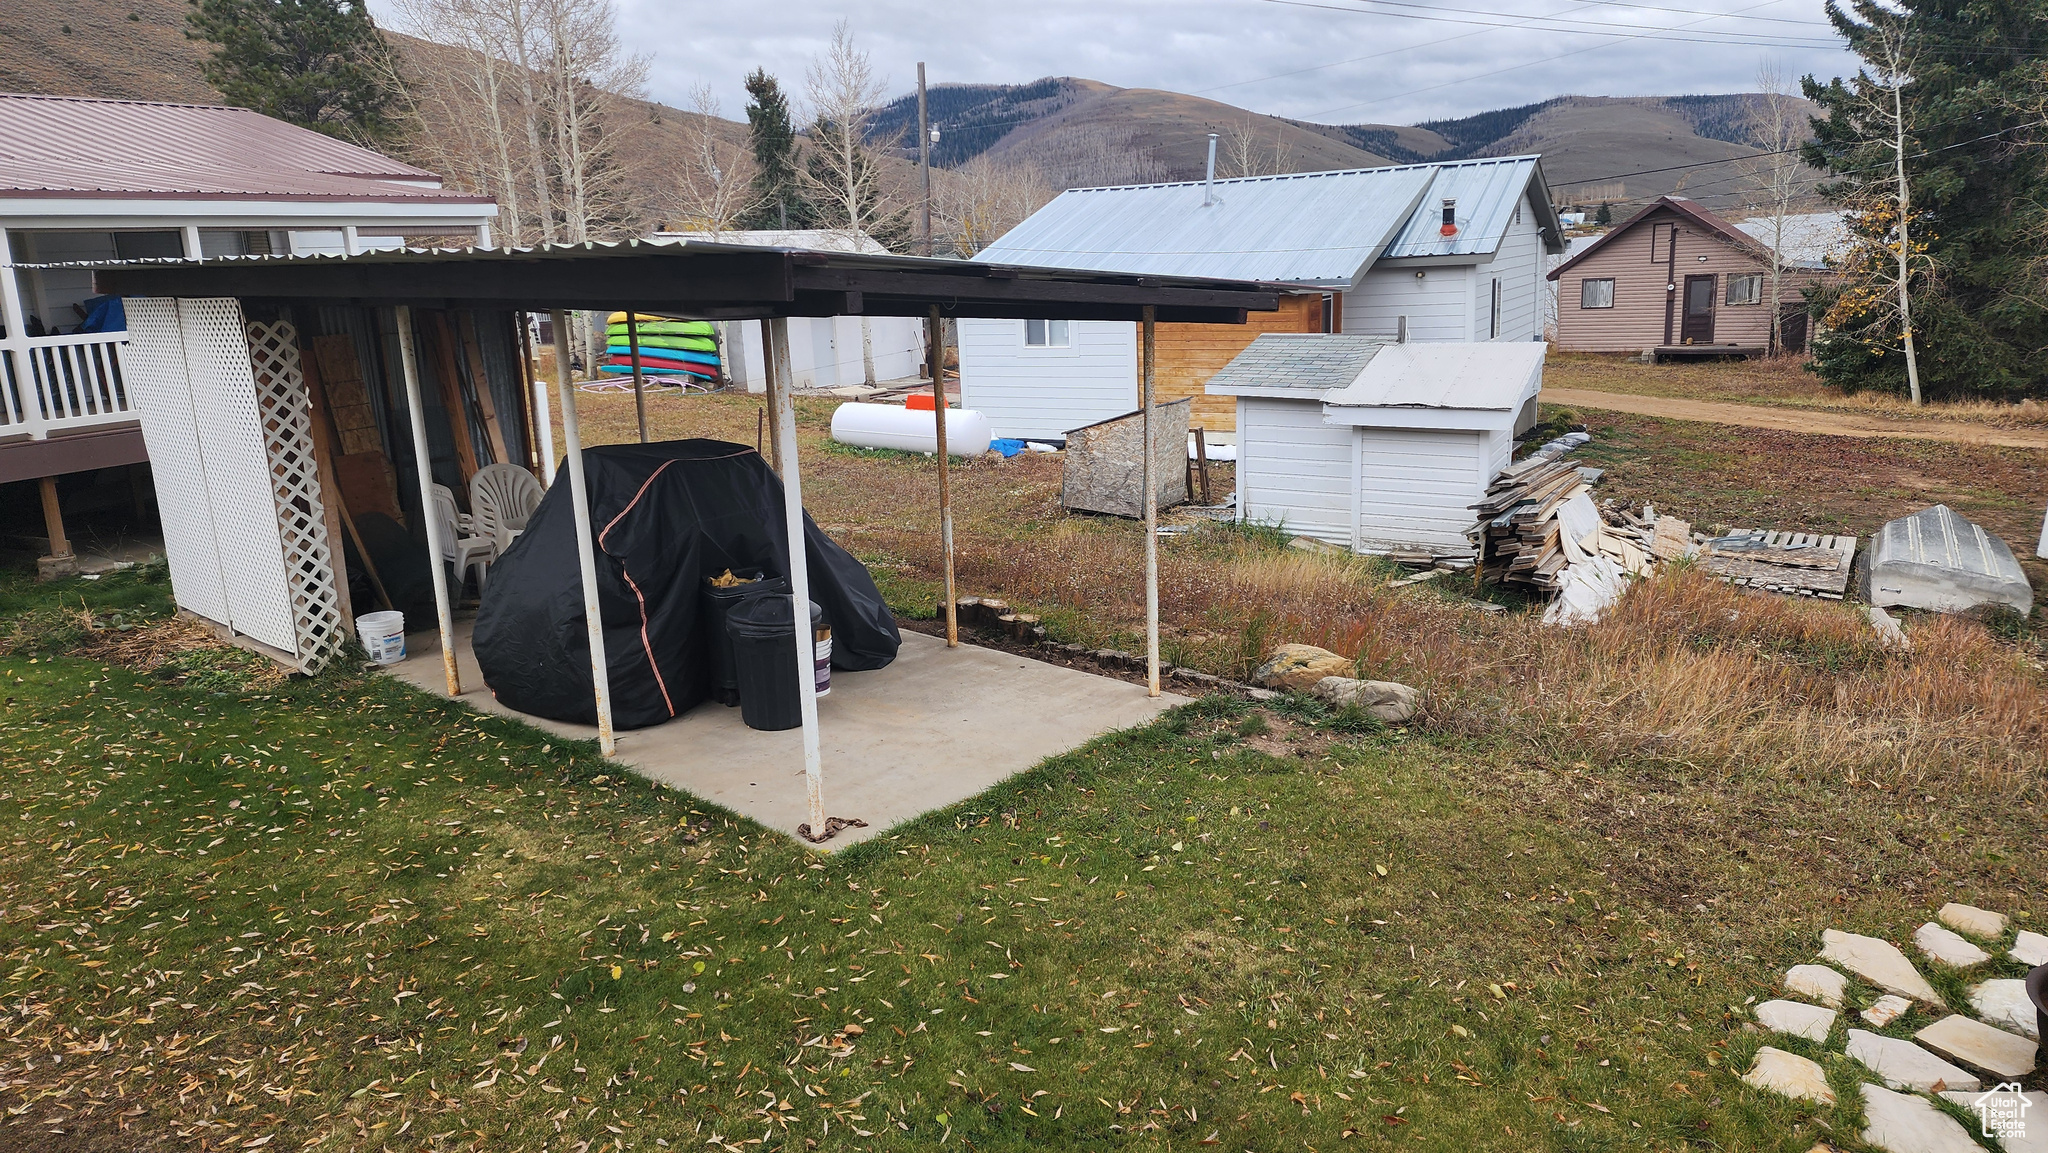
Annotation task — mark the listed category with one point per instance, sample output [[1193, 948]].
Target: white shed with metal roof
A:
[[1376, 445], [1429, 252]]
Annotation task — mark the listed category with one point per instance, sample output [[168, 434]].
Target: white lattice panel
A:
[[287, 425], [158, 383], [238, 480]]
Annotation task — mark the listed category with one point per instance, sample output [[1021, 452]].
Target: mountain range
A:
[[1071, 131]]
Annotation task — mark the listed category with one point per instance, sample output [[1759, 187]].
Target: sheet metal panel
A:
[[1487, 191], [1312, 228]]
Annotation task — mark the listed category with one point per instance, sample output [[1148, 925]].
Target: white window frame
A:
[[1755, 296], [1593, 280], [1063, 329]]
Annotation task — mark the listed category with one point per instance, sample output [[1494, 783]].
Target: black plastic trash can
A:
[[717, 601], [764, 660]]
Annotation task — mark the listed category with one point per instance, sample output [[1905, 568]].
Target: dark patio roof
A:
[[713, 281]]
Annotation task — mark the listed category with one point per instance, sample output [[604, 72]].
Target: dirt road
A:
[[1819, 422]]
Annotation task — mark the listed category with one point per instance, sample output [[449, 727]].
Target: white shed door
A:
[[1292, 469], [1416, 488], [154, 366]]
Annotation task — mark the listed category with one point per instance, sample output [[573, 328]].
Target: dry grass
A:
[[1778, 381]]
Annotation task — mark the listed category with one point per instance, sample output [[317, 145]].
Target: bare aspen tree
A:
[[1776, 180], [1244, 156], [984, 198], [1884, 259], [842, 173], [713, 187]]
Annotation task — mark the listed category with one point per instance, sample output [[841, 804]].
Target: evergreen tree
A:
[[778, 195], [1976, 195], [1603, 214], [319, 64]]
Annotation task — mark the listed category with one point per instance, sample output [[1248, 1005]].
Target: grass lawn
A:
[[1776, 381], [238, 912]]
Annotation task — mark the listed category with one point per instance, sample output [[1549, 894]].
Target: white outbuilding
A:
[[1373, 444]]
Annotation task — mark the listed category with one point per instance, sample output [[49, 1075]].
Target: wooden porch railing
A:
[[62, 383]]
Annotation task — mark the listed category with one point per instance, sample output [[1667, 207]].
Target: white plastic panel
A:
[[239, 488], [155, 370]]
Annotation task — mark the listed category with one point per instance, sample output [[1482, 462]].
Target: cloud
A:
[[1337, 61]]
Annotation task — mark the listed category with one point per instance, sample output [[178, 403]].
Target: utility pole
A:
[[924, 157]]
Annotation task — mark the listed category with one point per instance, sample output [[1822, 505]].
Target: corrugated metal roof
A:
[[816, 239], [73, 147], [1498, 375], [1313, 228], [1320, 229], [1487, 191], [1310, 363], [1806, 240]]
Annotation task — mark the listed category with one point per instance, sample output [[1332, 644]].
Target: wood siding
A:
[[1416, 487], [1189, 354], [1293, 470], [1043, 392], [1639, 265]]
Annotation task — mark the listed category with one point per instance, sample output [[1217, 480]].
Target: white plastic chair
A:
[[460, 553], [503, 497]]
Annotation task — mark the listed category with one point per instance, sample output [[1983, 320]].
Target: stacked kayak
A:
[[668, 347]]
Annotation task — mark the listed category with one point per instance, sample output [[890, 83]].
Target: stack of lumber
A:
[[1797, 564], [1521, 541]]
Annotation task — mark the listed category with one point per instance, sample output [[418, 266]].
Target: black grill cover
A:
[[665, 516]]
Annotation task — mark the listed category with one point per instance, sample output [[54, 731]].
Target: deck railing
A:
[[62, 383]]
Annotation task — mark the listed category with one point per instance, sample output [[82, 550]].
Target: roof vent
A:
[[1209, 180], [1450, 224]]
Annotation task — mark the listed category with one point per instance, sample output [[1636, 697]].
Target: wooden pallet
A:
[[1793, 563]]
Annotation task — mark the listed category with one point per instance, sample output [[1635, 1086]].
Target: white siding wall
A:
[[1294, 470], [1415, 487], [1434, 305], [1044, 392], [1454, 302]]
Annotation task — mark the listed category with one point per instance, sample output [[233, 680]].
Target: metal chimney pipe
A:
[[1209, 181]]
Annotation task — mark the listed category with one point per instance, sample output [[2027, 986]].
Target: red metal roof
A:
[[75, 147]]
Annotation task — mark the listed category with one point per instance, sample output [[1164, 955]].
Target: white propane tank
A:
[[910, 429]]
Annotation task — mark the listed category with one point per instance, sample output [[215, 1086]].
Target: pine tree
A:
[[319, 64], [1975, 197], [1603, 214], [778, 195]]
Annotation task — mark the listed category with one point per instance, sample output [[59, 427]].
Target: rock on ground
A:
[[2031, 1136], [1796, 1018], [1904, 1065], [1385, 701], [1791, 1075], [2029, 948], [1878, 962], [1886, 1009], [1299, 667], [1897, 1123], [1817, 983], [1945, 946], [2003, 1055], [2004, 1003], [1972, 920]]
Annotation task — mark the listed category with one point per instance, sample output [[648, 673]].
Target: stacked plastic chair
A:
[[668, 347]]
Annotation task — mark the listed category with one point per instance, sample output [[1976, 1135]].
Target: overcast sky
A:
[[1335, 61]]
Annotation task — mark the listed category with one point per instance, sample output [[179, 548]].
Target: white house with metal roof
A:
[[89, 180], [1425, 252], [1375, 445]]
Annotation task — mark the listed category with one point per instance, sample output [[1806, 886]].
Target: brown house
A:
[[1679, 280]]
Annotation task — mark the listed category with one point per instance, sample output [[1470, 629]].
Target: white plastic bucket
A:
[[383, 636]]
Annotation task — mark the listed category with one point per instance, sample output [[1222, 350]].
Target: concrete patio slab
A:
[[935, 727]]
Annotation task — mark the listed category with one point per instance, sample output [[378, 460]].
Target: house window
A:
[[1329, 312], [1745, 289], [1596, 293], [1045, 334], [1493, 320]]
